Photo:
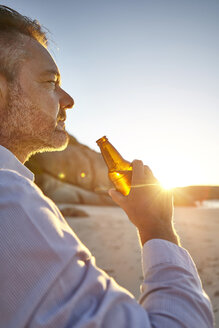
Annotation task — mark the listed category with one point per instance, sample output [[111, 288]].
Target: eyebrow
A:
[[53, 72]]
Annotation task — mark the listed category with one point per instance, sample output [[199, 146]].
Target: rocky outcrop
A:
[[76, 175], [71, 212], [64, 193]]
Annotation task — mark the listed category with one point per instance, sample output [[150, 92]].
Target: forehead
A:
[[39, 61]]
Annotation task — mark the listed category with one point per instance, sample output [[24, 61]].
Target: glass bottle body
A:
[[119, 170]]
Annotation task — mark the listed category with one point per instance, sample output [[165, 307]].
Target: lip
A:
[[60, 125], [61, 116]]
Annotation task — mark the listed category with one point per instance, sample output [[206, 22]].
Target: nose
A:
[[66, 101]]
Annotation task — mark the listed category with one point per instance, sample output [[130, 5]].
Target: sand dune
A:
[[113, 240]]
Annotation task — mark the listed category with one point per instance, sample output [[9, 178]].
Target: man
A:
[[47, 277]]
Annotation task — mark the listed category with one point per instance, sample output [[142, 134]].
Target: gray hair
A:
[[14, 28]]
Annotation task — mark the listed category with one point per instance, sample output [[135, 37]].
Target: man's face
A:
[[37, 104]]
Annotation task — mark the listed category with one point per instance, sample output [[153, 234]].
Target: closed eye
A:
[[52, 82]]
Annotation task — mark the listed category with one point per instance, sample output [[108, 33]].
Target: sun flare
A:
[[83, 175], [176, 178], [167, 186], [61, 175]]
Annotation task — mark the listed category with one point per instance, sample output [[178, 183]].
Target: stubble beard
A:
[[29, 129]]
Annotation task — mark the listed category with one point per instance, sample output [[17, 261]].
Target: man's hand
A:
[[148, 205]]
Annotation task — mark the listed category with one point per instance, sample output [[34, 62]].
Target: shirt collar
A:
[[10, 162]]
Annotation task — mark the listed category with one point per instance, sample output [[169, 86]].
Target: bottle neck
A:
[[111, 156]]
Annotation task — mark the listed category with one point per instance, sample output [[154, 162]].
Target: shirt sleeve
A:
[[172, 292], [49, 279]]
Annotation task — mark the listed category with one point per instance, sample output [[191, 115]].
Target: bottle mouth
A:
[[101, 140]]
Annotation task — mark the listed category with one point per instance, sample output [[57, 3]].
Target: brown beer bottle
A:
[[120, 170]]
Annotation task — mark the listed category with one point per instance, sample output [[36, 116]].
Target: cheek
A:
[[48, 102], [45, 99]]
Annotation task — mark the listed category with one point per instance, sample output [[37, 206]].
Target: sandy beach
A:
[[113, 240]]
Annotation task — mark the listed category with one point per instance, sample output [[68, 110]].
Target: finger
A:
[[137, 173], [116, 196], [149, 177]]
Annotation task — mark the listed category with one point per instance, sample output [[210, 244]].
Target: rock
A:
[[65, 193], [73, 212], [77, 165], [216, 293]]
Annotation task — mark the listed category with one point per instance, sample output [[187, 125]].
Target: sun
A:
[[167, 180], [167, 186], [172, 179], [173, 174]]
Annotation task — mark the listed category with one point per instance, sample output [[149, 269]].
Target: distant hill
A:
[[187, 196]]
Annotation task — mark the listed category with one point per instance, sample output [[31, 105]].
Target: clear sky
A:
[[143, 73]]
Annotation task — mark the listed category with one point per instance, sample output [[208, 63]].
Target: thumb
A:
[[116, 196]]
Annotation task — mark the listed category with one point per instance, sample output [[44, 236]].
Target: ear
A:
[[3, 90]]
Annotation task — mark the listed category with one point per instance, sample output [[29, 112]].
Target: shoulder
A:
[[18, 191], [12, 183], [25, 211], [24, 205], [23, 201], [11, 176]]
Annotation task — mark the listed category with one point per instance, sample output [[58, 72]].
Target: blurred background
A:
[[143, 73]]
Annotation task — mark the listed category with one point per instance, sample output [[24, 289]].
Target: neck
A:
[[20, 151]]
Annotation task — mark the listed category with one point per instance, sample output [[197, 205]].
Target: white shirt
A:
[[48, 278]]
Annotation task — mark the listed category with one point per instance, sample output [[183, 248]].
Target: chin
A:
[[61, 140], [58, 142]]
